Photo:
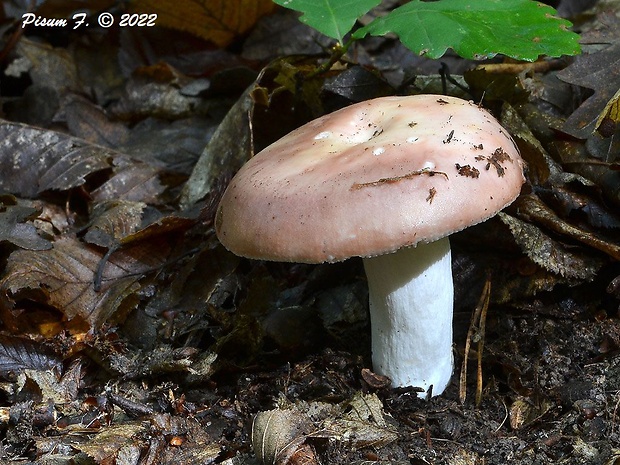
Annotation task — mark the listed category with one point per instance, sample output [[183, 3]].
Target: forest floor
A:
[[131, 336]]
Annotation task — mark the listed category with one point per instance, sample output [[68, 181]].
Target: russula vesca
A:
[[388, 180]]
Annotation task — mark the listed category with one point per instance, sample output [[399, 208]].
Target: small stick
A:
[[481, 308], [486, 295], [395, 179]]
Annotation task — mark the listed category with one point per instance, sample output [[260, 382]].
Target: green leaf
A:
[[334, 18], [478, 29]]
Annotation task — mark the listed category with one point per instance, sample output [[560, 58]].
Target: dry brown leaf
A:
[[15, 227], [114, 441], [277, 434], [34, 160], [19, 354], [63, 278], [90, 122], [365, 424], [599, 71], [532, 209], [113, 221], [218, 21], [550, 254]]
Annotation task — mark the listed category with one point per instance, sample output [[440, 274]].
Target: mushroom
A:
[[388, 180]]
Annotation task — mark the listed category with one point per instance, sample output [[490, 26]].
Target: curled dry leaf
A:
[[550, 254], [54, 388], [524, 412], [277, 434], [15, 229], [533, 209], [123, 224], [228, 149], [51, 67], [63, 278], [112, 441], [158, 91], [595, 72], [539, 163], [113, 221], [365, 423]]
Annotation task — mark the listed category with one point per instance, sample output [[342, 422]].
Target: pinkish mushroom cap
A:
[[388, 180], [370, 179]]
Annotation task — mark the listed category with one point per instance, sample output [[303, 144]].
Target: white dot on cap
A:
[[378, 151], [412, 139], [429, 165], [323, 135]]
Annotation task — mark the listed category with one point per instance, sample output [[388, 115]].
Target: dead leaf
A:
[[574, 155], [15, 229], [55, 389], [173, 145], [277, 434], [550, 254], [90, 122], [34, 160], [112, 442], [572, 203], [533, 209], [19, 354], [158, 91], [217, 21], [52, 67], [524, 412], [282, 34], [599, 71], [63, 278], [540, 164], [114, 221], [121, 224], [228, 149], [132, 181], [365, 424], [354, 84]]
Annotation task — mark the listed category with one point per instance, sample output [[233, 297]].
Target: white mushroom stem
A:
[[411, 301]]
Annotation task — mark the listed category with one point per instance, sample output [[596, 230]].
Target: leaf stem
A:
[[338, 51]]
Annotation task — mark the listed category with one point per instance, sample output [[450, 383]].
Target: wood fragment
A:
[[396, 179]]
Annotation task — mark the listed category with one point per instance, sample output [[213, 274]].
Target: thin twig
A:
[[475, 318], [486, 295], [395, 179]]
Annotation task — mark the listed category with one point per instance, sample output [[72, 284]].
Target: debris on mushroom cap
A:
[[369, 179]]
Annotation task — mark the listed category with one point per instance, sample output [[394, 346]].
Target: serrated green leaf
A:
[[475, 29], [334, 18]]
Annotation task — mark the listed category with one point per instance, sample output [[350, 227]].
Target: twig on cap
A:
[[395, 179]]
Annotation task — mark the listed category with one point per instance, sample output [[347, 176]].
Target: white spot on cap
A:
[[378, 151], [412, 139], [323, 135], [429, 165]]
